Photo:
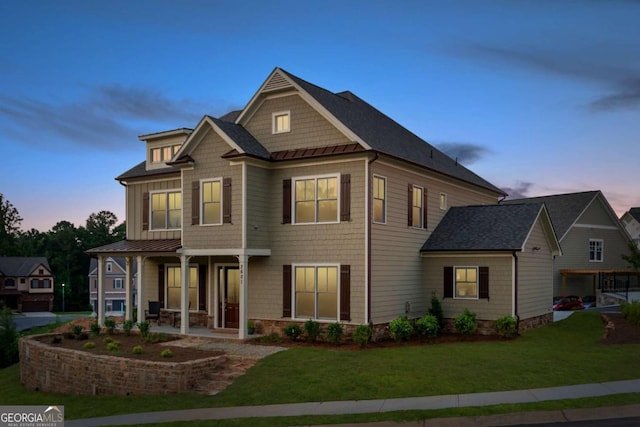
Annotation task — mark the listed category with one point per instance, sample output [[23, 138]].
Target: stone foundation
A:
[[52, 369]]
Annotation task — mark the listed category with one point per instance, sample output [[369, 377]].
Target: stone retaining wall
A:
[[60, 370]]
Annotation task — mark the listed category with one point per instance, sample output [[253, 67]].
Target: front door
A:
[[229, 308]]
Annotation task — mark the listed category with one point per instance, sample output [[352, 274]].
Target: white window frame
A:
[[443, 201], [274, 119], [595, 253], [421, 216], [118, 283], [179, 287], [152, 226], [202, 217], [294, 200], [455, 282], [294, 293], [109, 267], [384, 200]]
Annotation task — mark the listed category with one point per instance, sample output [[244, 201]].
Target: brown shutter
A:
[[286, 201], [202, 287], [448, 282], [345, 197], [424, 208], [226, 200], [286, 291], [483, 282], [345, 292], [161, 284], [410, 207], [145, 211], [195, 203]]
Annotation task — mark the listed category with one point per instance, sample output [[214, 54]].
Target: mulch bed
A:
[[619, 331]]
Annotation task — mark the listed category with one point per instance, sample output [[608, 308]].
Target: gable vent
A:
[[277, 82]]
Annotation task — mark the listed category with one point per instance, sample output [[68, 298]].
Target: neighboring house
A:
[[115, 291], [305, 204], [631, 222], [494, 260], [26, 284], [592, 239]]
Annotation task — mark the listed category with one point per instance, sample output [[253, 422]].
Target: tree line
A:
[[64, 247]]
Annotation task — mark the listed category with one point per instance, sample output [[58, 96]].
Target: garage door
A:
[[30, 306]]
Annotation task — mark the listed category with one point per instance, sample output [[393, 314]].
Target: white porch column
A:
[[128, 288], [100, 306], [243, 264], [184, 295], [141, 305]]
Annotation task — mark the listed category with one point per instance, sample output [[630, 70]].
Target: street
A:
[[25, 321]]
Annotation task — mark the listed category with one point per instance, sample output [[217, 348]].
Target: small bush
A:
[[400, 329], [144, 328], [335, 332], [312, 330], [428, 326], [8, 339], [436, 310], [466, 323], [137, 350], [293, 331], [110, 325], [362, 335], [166, 353], [113, 346], [631, 311], [505, 326], [108, 340], [127, 326], [56, 339], [89, 345], [95, 329], [76, 330]]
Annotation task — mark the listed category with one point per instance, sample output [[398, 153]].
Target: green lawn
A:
[[567, 352]]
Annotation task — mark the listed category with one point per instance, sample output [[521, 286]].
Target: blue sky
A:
[[537, 96]]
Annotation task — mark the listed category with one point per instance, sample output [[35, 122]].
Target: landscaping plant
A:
[[166, 353], [95, 329], [127, 326], [8, 339], [293, 331], [137, 349], [89, 345], [631, 311], [312, 330], [505, 326], [362, 335], [110, 325], [466, 323], [400, 329], [335, 332], [144, 328], [428, 326], [436, 310]]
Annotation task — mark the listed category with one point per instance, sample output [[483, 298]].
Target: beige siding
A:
[[135, 193], [260, 196], [535, 272], [308, 128], [396, 264]]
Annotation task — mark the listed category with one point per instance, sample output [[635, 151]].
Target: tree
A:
[[634, 257], [101, 229], [9, 227]]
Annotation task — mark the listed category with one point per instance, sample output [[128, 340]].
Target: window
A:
[[40, 283], [316, 292], [416, 207], [173, 281], [316, 200], [118, 284], [163, 154], [281, 122], [379, 199], [95, 283], [443, 201], [466, 282], [109, 267], [156, 155], [212, 202], [595, 250], [9, 283], [166, 210]]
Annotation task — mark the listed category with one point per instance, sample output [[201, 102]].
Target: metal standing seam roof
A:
[[21, 266], [483, 228], [138, 246]]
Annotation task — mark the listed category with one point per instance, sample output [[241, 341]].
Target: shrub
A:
[[631, 311], [293, 331], [127, 326], [166, 353], [137, 349], [335, 332], [113, 346], [436, 310], [144, 328], [505, 326], [89, 345], [95, 329], [8, 339], [428, 326], [312, 330], [400, 329], [76, 331], [108, 340], [110, 325], [56, 339], [362, 335], [466, 323]]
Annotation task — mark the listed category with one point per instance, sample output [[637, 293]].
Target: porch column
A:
[[128, 288], [184, 295], [141, 305], [100, 307], [243, 265]]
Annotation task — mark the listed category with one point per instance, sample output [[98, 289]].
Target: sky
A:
[[538, 97]]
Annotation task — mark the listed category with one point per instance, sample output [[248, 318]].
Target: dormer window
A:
[[163, 154], [281, 122]]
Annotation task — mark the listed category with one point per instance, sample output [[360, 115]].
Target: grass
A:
[[564, 353]]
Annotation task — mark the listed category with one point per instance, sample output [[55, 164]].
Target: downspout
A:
[[369, 221], [515, 291]]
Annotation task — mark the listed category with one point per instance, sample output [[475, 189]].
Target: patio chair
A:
[[154, 312]]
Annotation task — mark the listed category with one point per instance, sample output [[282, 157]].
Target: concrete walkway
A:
[[404, 404]]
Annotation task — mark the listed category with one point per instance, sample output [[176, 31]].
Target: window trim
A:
[[116, 281], [384, 200], [202, 182], [443, 201], [274, 121], [294, 180], [192, 309], [315, 266], [421, 225], [455, 282], [167, 210], [601, 241]]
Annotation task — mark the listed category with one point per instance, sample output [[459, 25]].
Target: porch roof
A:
[[138, 246]]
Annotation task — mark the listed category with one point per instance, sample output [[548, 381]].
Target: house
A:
[[495, 260], [305, 204], [593, 241], [114, 285], [631, 222], [26, 284]]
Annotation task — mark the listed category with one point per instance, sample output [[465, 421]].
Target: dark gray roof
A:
[[243, 138], [483, 228], [635, 213], [564, 209], [231, 116], [15, 266], [386, 136], [140, 170]]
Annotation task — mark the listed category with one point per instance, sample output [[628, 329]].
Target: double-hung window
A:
[[596, 250], [379, 199], [166, 210], [316, 199], [416, 206], [316, 292], [281, 122], [174, 281], [466, 282], [212, 202], [118, 284]]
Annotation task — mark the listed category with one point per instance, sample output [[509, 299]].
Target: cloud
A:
[[466, 153], [519, 191]]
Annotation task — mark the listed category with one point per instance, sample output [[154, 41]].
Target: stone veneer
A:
[[47, 368]]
